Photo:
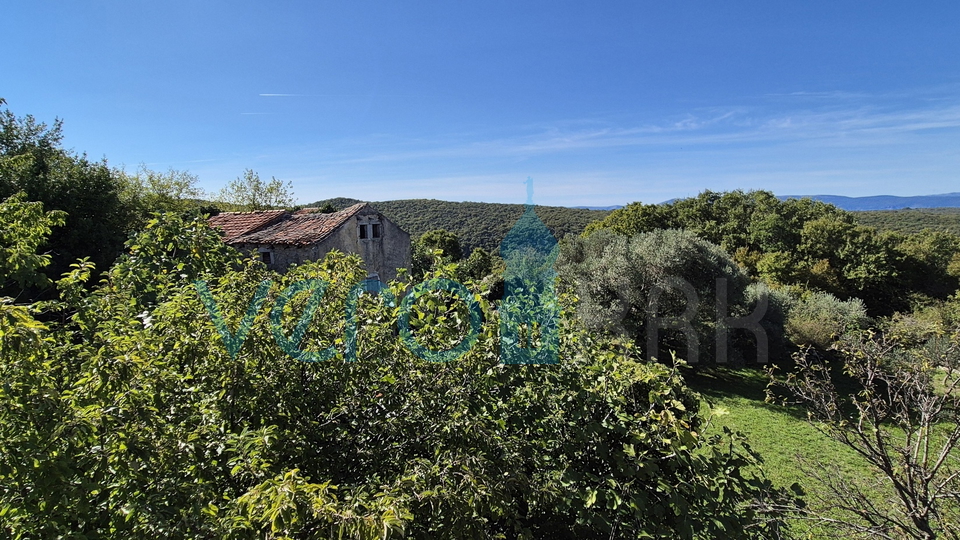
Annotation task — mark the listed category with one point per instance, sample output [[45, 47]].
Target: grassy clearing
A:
[[737, 400]]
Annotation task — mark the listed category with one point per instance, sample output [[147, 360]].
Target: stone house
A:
[[283, 238]]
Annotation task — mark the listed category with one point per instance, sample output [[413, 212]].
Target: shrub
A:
[[819, 318]]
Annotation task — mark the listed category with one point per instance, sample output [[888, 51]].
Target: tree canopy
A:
[[249, 192], [805, 243], [97, 219]]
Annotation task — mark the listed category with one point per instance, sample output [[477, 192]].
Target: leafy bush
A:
[[434, 248], [778, 301], [477, 266], [818, 319], [25, 228]]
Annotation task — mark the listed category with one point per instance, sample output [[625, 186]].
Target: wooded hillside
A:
[[476, 224], [912, 220]]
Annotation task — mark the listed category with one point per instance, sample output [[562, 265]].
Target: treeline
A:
[[100, 206], [477, 225], [808, 244]]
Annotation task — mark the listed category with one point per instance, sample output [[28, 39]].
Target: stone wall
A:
[[382, 256]]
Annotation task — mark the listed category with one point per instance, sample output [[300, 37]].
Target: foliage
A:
[[434, 248], [806, 243], [98, 218], [912, 220], [615, 278], [819, 319], [477, 266], [25, 228], [100, 207], [445, 241], [529, 310], [170, 251], [932, 261], [778, 303], [159, 192], [249, 192], [849, 261], [903, 420], [116, 425], [755, 220]]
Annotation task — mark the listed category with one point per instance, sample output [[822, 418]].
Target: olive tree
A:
[[637, 285]]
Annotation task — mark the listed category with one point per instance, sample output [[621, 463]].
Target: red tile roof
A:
[[299, 229], [235, 224]]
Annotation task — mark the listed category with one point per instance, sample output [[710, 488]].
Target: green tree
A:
[[157, 192], [24, 227], [477, 266], [616, 279], [755, 220], [249, 192], [98, 218], [930, 261], [797, 242], [445, 241], [434, 248]]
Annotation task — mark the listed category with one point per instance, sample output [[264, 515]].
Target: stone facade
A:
[[307, 235]]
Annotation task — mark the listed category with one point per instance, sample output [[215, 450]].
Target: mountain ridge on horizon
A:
[[885, 202]]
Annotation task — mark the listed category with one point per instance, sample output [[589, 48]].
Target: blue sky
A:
[[600, 102]]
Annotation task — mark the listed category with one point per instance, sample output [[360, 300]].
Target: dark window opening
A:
[[266, 257], [363, 232], [376, 230]]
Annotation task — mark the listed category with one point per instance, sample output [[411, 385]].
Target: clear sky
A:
[[600, 102]]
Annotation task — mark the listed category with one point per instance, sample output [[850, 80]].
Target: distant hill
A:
[[477, 224], [885, 202]]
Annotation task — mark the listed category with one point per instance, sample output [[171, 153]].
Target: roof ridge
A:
[[252, 212]]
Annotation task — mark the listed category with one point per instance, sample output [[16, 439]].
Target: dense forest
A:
[[156, 383], [912, 220]]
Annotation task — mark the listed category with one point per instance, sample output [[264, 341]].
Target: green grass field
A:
[[736, 398]]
